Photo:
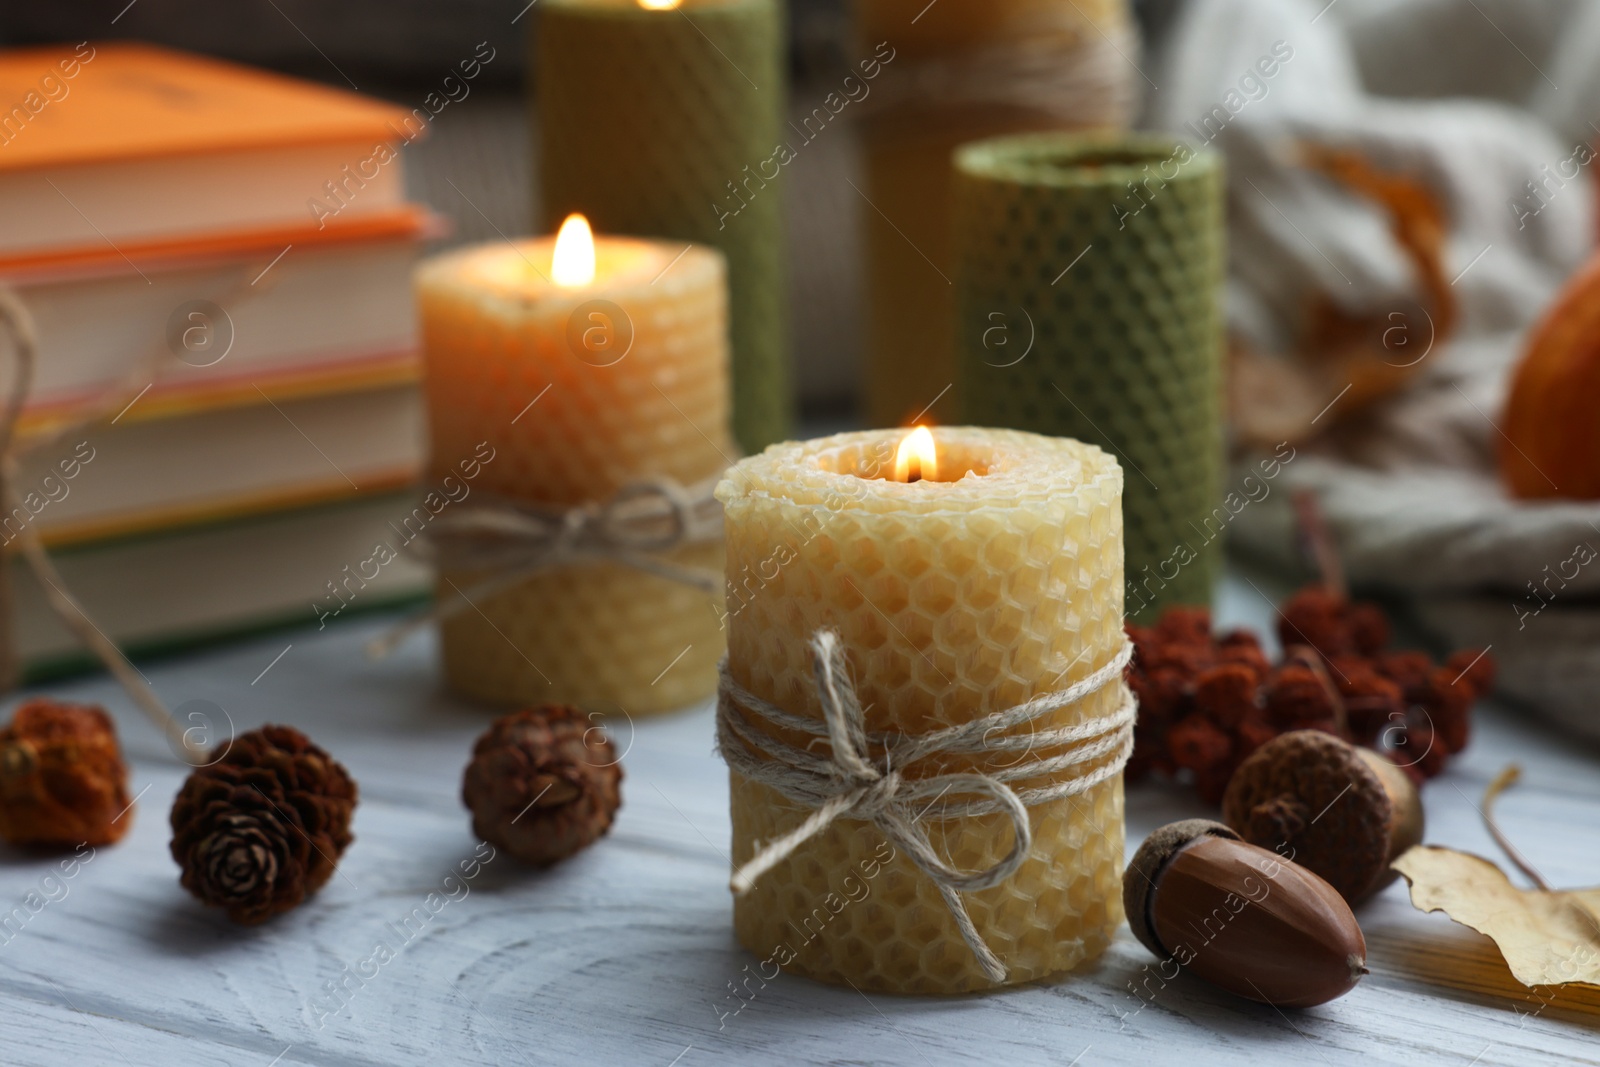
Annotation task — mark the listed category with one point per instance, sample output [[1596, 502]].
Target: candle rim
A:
[[1081, 160], [474, 271], [1080, 469]]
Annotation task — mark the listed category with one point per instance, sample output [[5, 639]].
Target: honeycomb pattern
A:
[[495, 338], [1127, 344], [648, 120], [956, 599], [911, 348]]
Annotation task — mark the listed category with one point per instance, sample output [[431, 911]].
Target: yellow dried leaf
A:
[[1548, 937]]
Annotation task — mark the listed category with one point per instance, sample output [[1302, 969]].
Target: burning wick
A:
[[917, 457], [572, 266]]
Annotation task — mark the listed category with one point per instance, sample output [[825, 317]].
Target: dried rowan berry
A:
[[1449, 708], [1475, 668], [1197, 743], [1314, 616], [1296, 696], [1226, 693], [1185, 625], [1252, 733], [1409, 669], [1371, 702]]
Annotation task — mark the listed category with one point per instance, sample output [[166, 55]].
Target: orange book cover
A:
[[102, 102]]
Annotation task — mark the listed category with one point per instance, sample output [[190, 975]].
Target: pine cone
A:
[[262, 829], [542, 784], [62, 779]]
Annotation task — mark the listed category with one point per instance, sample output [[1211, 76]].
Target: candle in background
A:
[[962, 581], [660, 118], [960, 72], [1089, 281], [585, 371]]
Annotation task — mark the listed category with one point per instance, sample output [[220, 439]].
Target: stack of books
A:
[[218, 262]]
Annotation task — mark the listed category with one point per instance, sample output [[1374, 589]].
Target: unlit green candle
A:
[[661, 123]]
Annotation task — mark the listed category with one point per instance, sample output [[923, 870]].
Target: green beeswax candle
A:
[[661, 121], [1089, 283]]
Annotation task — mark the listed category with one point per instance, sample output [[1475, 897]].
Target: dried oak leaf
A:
[[1548, 937]]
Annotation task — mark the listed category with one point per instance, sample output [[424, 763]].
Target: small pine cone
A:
[[543, 784], [1227, 693], [261, 829], [62, 779], [1197, 743], [1475, 667], [1315, 617]]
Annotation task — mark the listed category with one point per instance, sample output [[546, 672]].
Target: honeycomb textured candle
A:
[[1124, 348], [570, 426], [664, 124], [955, 599]]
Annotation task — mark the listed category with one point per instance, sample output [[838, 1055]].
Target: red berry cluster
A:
[[1207, 701]]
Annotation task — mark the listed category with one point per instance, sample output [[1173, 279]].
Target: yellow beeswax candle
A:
[[994, 578], [583, 379]]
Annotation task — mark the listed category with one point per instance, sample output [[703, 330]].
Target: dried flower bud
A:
[[62, 779]]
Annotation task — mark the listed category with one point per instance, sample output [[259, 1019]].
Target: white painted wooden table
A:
[[624, 955]]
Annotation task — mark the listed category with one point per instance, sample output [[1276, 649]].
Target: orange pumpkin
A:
[[1551, 443]]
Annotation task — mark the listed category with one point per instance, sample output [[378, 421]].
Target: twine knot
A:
[[852, 782], [638, 527]]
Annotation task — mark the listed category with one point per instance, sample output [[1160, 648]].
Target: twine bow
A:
[[884, 790], [637, 528]]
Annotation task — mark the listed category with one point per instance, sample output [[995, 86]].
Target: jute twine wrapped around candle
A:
[[17, 324], [638, 528], [876, 778]]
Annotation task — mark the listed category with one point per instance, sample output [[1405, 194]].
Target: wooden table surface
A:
[[624, 955]]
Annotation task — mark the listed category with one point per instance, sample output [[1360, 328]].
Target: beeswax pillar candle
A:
[[579, 390], [960, 72], [1089, 281], [995, 581], [662, 121]]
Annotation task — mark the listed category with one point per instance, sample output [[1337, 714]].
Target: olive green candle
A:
[[662, 122], [1089, 284]]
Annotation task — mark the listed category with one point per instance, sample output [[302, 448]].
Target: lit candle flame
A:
[[573, 263], [917, 457], [659, 5]]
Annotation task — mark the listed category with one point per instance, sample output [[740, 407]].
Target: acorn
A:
[[1343, 812], [1241, 917]]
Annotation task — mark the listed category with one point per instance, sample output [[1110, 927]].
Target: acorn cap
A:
[[1318, 801], [1144, 872]]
